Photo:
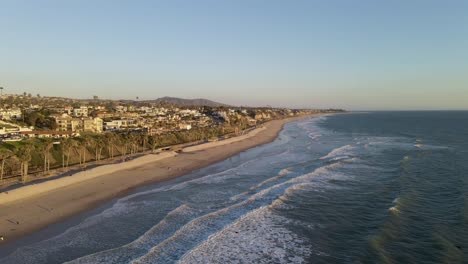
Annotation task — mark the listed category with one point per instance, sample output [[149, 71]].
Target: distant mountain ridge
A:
[[186, 102]]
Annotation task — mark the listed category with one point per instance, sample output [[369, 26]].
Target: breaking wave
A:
[[257, 237], [339, 153]]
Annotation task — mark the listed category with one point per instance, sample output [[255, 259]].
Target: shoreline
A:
[[34, 207]]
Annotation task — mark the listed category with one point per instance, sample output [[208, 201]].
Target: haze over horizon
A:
[[354, 55]]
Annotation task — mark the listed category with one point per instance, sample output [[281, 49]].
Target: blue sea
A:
[[364, 187]]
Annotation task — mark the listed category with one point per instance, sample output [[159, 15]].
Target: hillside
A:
[[187, 102]]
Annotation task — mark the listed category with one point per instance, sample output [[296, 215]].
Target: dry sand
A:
[[30, 208]]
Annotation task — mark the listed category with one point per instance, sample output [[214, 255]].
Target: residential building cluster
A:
[[25, 116]]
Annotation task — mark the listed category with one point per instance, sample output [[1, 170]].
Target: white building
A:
[[81, 112], [121, 109], [95, 125], [189, 112], [67, 123], [8, 114], [13, 130], [118, 124], [185, 126], [223, 115]]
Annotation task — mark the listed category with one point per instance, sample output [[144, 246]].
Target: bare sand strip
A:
[[224, 142], [47, 186], [62, 198]]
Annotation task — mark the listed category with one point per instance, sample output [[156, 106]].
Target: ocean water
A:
[[377, 187]]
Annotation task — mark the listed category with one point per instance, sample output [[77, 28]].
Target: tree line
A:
[[39, 155]]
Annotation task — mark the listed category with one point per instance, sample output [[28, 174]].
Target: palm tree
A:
[[24, 155], [126, 140], [133, 143], [154, 142], [67, 145], [110, 141], [64, 147], [4, 155], [98, 145], [144, 141], [45, 148], [86, 141]]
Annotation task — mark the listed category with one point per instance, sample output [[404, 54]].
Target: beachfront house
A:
[[67, 123], [93, 125]]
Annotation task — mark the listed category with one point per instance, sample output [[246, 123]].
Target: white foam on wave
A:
[[382, 143], [82, 237], [145, 242], [152, 244], [394, 210], [127, 204], [314, 135], [282, 173], [217, 177], [430, 147], [320, 170], [303, 183], [70, 238], [192, 230], [299, 186], [214, 177], [280, 203], [310, 125], [257, 237], [231, 172], [341, 152], [397, 142]]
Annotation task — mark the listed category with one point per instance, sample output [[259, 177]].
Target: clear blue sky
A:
[[351, 54]]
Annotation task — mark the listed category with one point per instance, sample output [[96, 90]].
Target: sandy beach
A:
[[30, 208]]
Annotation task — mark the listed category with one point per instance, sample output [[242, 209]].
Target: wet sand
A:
[[34, 207]]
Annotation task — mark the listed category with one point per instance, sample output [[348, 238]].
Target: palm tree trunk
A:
[[22, 171], [84, 156], [68, 158], [1, 173], [26, 167]]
